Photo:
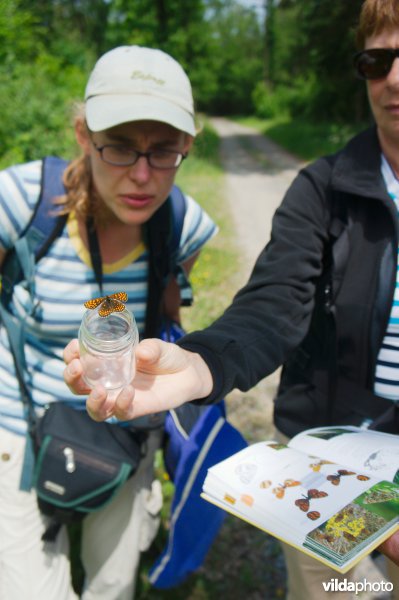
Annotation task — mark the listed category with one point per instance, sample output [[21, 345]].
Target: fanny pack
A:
[[79, 464]]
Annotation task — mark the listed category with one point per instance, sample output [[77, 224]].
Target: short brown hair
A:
[[375, 16]]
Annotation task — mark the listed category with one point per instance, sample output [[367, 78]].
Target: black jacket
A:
[[327, 337]]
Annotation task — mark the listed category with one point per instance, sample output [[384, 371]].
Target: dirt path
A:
[[258, 173]]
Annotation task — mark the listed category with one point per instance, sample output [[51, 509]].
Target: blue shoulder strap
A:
[[179, 207], [19, 264], [44, 226], [163, 233]]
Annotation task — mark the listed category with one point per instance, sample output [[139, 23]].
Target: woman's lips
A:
[[136, 200], [393, 108]]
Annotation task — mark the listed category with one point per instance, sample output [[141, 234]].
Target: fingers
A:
[[124, 406], [99, 404], [391, 548], [73, 371], [102, 405], [71, 351]]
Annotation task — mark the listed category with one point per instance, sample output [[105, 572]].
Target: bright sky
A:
[[259, 5]]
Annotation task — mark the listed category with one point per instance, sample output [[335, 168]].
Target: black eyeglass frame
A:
[[136, 155], [387, 55]]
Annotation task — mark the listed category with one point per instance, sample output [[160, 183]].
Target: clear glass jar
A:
[[107, 347]]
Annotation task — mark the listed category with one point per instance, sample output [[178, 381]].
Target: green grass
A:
[[213, 275], [305, 140]]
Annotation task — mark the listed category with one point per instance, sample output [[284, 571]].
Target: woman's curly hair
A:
[[80, 197]]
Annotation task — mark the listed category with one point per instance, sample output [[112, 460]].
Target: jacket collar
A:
[[357, 169]]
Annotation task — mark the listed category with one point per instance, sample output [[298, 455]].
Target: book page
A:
[[372, 452], [321, 507], [281, 489]]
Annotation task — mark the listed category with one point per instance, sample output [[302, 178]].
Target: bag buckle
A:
[[70, 464]]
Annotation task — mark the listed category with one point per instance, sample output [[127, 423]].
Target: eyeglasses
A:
[[375, 63], [121, 156]]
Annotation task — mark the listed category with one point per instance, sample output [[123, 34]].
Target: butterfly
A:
[[265, 484], [336, 479], [362, 477], [303, 503], [317, 466], [279, 491], [108, 304]]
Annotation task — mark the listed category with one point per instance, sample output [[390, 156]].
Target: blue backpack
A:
[[196, 437]]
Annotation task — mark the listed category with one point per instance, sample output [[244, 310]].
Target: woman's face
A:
[[384, 93], [132, 194]]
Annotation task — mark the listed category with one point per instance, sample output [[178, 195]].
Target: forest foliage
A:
[[291, 59]]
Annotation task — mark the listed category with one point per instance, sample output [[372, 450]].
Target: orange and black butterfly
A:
[[108, 304], [336, 479], [279, 490], [313, 494]]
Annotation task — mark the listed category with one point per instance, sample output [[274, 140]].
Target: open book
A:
[[332, 492]]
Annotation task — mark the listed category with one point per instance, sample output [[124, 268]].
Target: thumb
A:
[[156, 356], [148, 352]]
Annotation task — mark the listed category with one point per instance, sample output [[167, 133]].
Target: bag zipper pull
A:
[[70, 465]]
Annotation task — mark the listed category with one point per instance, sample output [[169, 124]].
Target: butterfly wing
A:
[[265, 484], [92, 304], [303, 504], [313, 515], [291, 483], [106, 307], [334, 479], [362, 477], [121, 296], [279, 492], [313, 493]]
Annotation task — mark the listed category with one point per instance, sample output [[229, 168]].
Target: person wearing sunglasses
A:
[[322, 300]]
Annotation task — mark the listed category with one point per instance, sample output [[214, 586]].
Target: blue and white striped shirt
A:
[[386, 383], [64, 281]]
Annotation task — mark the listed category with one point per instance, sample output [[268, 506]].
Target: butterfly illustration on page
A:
[[317, 466], [336, 478], [304, 503], [108, 304], [279, 490]]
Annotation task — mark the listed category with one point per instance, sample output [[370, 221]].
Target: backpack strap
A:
[[162, 236], [44, 226]]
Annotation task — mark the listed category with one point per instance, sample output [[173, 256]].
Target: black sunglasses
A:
[[375, 63]]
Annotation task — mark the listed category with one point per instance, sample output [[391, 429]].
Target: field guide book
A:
[[332, 492]]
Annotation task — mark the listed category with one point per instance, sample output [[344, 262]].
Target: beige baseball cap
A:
[[133, 83]]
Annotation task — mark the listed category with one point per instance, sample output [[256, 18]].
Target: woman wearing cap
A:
[[135, 129], [336, 332]]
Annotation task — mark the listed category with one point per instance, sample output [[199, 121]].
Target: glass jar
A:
[[107, 347]]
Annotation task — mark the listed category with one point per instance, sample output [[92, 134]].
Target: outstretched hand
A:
[[166, 377]]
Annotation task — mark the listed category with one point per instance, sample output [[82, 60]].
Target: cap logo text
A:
[[146, 77]]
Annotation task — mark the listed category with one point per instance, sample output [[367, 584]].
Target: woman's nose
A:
[[141, 170]]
